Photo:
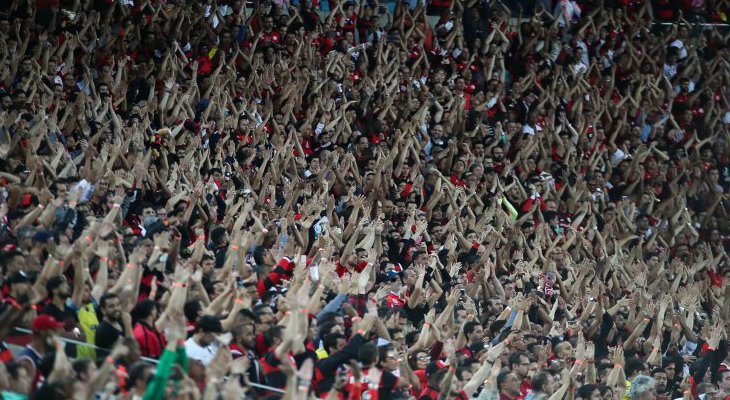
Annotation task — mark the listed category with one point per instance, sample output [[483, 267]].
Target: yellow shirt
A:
[[89, 322]]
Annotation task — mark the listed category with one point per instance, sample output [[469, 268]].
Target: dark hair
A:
[[469, 327], [143, 310], [136, 372], [273, 333], [383, 352], [514, 358], [396, 310], [368, 354], [218, 235], [329, 341], [585, 391], [191, 309], [539, 381], [633, 365], [501, 378], [81, 366], [460, 373], [105, 298]]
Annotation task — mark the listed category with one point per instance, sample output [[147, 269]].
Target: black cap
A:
[[209, 323], [18, 277]]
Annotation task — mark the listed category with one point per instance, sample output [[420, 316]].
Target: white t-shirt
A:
[[203, 354]]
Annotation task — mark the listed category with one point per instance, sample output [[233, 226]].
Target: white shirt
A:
[[203, 354]]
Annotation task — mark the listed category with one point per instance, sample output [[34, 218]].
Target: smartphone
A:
[[239, 282]]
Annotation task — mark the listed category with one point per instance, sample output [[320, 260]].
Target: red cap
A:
[[45, 322]]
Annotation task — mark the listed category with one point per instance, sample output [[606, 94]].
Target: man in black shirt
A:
[[62, 310], [114, 323]]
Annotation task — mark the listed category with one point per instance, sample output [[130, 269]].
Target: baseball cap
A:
[[42, 236], [209, 323], [18, 277], [45, 322]]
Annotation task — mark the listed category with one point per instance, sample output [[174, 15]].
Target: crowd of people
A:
[[427, 200]]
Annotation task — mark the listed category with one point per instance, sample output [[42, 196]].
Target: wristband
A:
[[234, 247], [103, 259], [110, 262], [451, 368], [686, 392], [355, 318], [153, 294], [177, 284], [88, 239], [238, 301], [61, 262], [711, 348], [426, 324], [130, 266], [305, 311], [361, 332], [110, 360], [72, 204], [41, 206], [578, 362], [116, 205], [201, 237], [618, 366], [181, 342]]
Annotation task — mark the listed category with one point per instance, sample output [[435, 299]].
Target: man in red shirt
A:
[[509, 386], [269, 35]]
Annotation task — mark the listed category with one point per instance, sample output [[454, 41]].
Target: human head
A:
[[110, 307], [642, 388], [57, 287], [208, 326]]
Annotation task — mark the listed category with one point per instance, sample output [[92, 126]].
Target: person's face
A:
[[565, 350], [550, 385], [497, 155], [266, 321], [205, 339], [248, 336], [670, 368], [495, 306], [422, 359], [511, 384], [399, 340], [410, 277], [16, 264], [595, 395], [509, 291], [395, 286], [520, 369], [112, 310], [724, 382], [476, 334], [661, 381], [362, 143], [19, 288]]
